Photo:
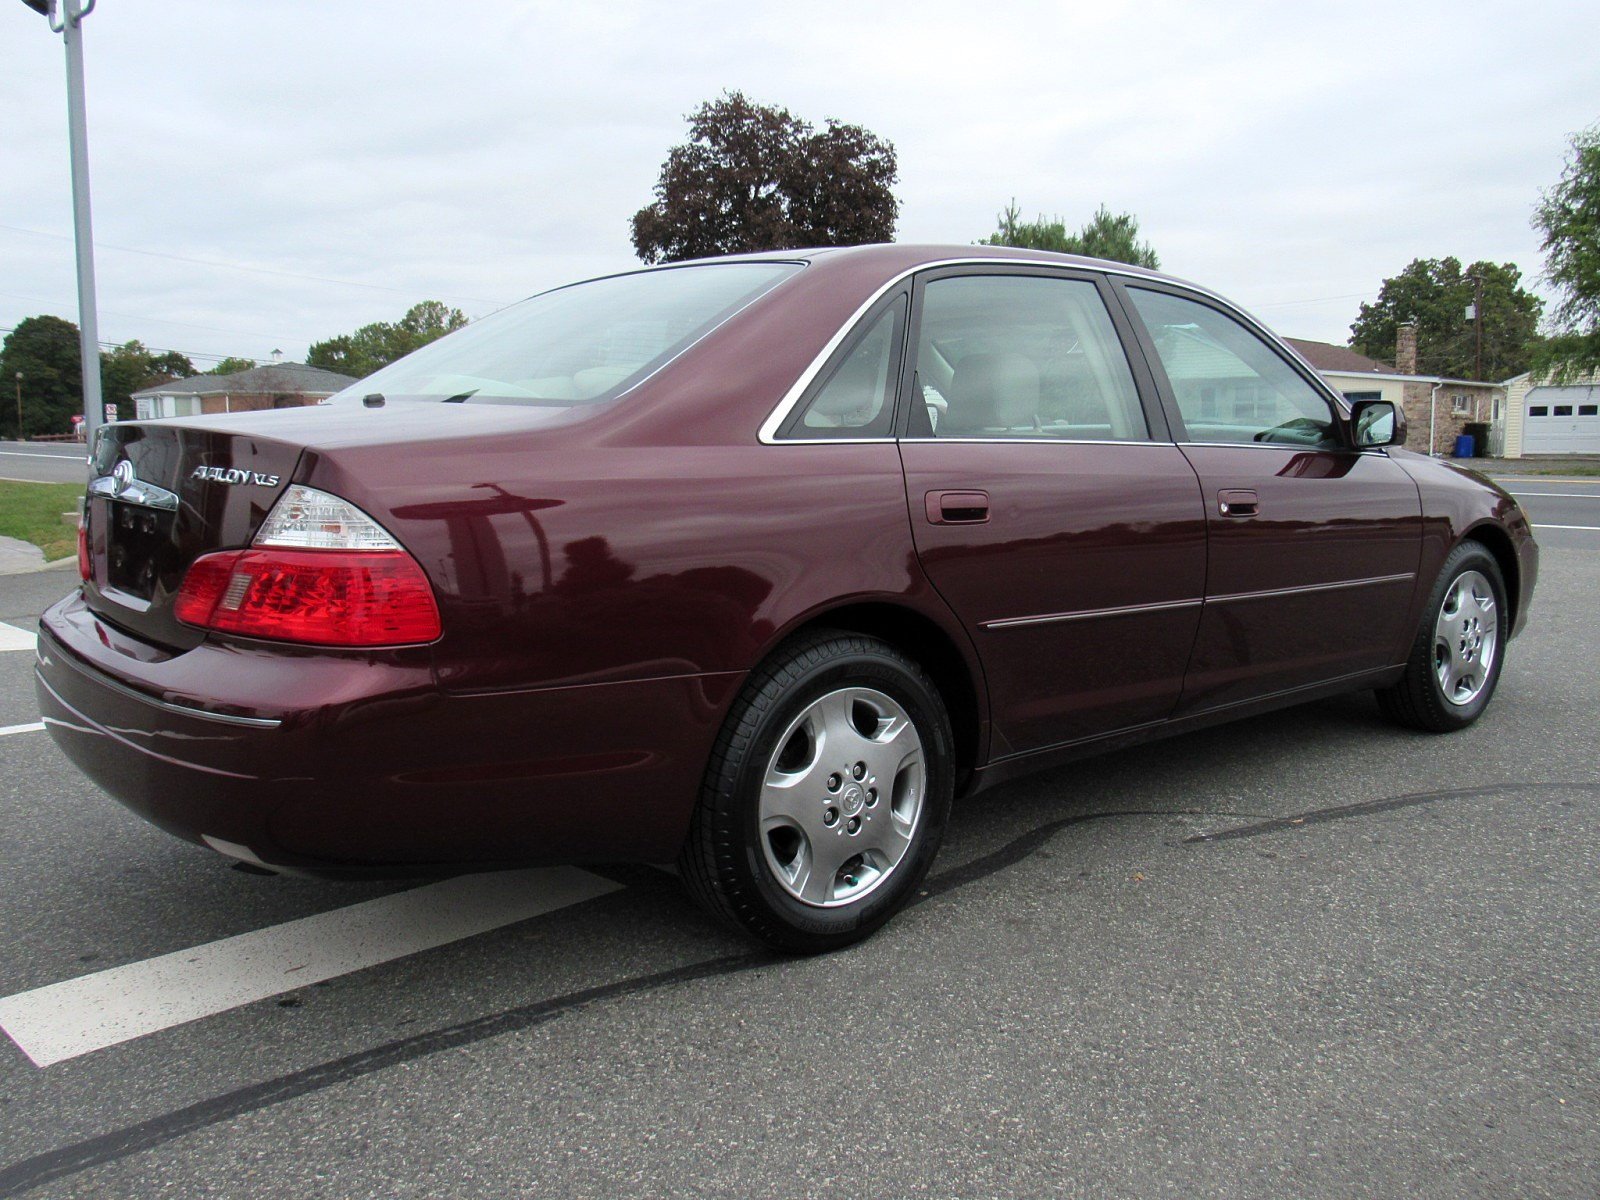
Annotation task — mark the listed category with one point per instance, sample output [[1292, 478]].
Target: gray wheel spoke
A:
[[823, 872], [885, 838]]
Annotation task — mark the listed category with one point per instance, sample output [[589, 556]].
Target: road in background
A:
[[1565, 511], [43, 462]]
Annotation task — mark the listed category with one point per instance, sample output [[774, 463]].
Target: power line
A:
[[269, 337], [232, 266]]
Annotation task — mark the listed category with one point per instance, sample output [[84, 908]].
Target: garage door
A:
[[1562, 420]]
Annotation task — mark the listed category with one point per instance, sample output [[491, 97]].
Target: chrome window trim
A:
[[767, 434], [1038, 441]]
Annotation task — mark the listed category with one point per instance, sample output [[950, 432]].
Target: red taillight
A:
[[325, 597], [84, 570]]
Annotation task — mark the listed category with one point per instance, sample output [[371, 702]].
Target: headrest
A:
[[852, 397], [993, 391]]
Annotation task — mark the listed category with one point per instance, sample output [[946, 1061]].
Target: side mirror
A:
[[1377, 423]]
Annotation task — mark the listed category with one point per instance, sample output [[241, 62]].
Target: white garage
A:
[[1544, 419], [1562, 420]]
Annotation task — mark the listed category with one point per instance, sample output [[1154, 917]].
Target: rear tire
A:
[[826, 796], [1455, 660]]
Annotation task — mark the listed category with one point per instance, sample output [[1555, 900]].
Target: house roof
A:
[[274, 377], [1325, 356]]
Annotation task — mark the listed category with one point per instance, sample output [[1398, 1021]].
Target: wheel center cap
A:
[[851, 800]]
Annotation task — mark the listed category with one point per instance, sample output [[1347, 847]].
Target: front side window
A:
[[1021, 356], [1230, 385], [581, 344]]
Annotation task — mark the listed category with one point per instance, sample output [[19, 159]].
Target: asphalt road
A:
[[1565, 512], [43, 462], [1307, 955]]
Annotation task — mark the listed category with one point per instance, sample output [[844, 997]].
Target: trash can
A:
[[1463, 446], [1478, 431]]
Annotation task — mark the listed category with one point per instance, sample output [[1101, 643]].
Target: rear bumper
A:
[[357, 764]]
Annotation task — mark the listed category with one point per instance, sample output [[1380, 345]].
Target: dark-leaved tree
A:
[[1569, 218], [1436, 293], [755, 177], [44, 350], [1108, 235], [380, 343]]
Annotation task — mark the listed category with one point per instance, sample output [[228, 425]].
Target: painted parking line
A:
[[1590, 528], [12, 638], [1556, 495], [8, 730], [78, 1016], [35, 454]]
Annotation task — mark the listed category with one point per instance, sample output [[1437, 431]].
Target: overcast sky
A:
[[273, 172]]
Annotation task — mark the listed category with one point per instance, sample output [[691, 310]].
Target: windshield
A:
[[575, 345]]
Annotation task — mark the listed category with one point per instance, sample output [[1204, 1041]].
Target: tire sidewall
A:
[[849, 667]]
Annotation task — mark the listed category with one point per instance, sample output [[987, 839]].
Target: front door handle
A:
[[957, 508], [1237, 502]]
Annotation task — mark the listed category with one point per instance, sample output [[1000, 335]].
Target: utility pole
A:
[[19, 406], [1477, 326], [69, 23]]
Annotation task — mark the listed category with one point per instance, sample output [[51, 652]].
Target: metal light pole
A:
[[19, 406], [69, 24]]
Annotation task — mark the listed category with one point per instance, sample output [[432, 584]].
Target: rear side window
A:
[[1230, 385], [857, 398], [581, 344], [1021, 357]]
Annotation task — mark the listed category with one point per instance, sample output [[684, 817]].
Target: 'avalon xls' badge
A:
[[233, 475]]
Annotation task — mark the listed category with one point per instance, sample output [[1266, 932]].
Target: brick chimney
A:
[[1405, 348]]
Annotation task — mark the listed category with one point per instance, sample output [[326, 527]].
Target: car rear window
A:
[[580, 344]]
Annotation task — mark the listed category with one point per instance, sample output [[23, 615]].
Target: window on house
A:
[[1461, 405], [1589, 410], [1538, 410], [1563, 410]]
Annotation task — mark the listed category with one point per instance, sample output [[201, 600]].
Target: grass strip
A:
[[32, 512]]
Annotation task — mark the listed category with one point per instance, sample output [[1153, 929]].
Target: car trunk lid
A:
[[162, 495]]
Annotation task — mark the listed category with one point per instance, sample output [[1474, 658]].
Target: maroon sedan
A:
[[755, 564]]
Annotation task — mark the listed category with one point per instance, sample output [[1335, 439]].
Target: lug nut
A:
[[834, 781], [872, 797], [859, 770], [853, 825], [830, 817]]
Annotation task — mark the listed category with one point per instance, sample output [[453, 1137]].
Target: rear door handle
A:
[[957, 508], [1237, 502]]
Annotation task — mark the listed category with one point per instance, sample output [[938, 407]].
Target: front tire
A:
[[1456, 658], [826, 796]]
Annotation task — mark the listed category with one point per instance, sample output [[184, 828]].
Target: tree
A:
[[232, 366], [380, 343], [130, 368], [45, 350], [1569, 217], [1435, 293], [1107, 235], [755, 177]]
